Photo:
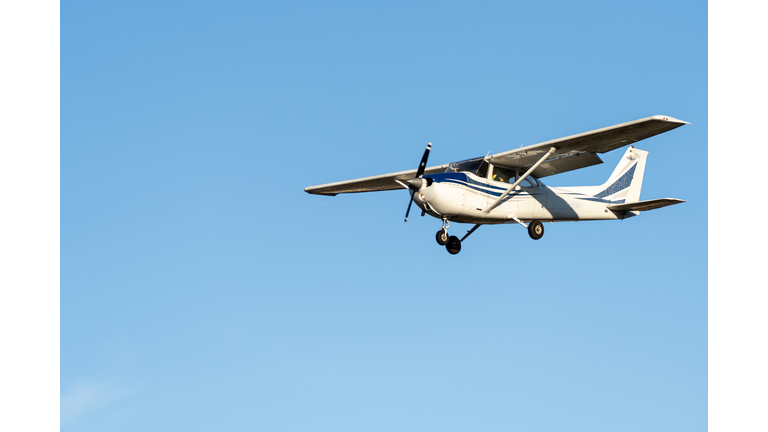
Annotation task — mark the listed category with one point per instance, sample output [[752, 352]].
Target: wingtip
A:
[[669, 119], [312, 190]]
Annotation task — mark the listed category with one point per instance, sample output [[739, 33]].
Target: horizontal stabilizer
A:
[[645, 205]]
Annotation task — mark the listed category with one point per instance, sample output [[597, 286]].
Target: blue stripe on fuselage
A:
[[462, 179]]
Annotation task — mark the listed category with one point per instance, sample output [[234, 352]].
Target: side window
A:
[[499, 176], [507, 176], [503, 175]]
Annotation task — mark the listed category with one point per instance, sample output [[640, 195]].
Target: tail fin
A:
[[624, 184]]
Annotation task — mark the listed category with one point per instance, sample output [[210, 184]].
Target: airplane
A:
[[506, 187]]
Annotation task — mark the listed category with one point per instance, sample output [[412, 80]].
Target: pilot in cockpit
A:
[[499, 177]]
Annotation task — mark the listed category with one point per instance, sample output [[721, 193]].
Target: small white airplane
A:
[[505, 187]]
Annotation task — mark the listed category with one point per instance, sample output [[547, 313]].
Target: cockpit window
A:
[[483, 170], [500, 176], [472, 165], [479, 167], [503, 174], [511, 175]]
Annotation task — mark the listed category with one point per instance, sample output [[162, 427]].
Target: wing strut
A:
[[514, 185], [470, 232]]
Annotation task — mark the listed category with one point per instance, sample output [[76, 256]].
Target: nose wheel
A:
[[442, 237]]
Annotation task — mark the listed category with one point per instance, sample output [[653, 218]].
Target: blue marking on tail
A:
[[620, 184]]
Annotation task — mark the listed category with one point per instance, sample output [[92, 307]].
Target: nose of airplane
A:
[[416, 183]]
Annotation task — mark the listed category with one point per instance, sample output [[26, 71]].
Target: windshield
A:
[[479, 167], [470, 165]]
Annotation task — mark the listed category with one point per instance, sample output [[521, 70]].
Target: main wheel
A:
[[442, 237], [535, 230], [453, 246]]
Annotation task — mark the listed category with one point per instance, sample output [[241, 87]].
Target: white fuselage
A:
[[462, 197]]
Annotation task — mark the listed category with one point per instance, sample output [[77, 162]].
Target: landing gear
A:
[[454, 245], [442, 237], [535, 230]]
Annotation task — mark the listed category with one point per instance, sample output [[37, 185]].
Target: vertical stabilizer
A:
[[627, 179]]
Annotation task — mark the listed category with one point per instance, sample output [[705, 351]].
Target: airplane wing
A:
[[370, 184], [580, 151], [572, 152]]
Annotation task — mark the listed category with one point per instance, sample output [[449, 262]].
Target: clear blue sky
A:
[[202, 289]]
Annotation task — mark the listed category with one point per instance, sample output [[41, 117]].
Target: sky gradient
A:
[[203, 289]]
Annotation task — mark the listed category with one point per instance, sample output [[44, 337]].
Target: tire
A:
[[453, 246], [442, 237], [536, 230]]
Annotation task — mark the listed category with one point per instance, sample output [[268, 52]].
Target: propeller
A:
[[413, 184]]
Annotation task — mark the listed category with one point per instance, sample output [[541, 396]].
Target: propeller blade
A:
[[419, 173], [423, 164], [409, 207]]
